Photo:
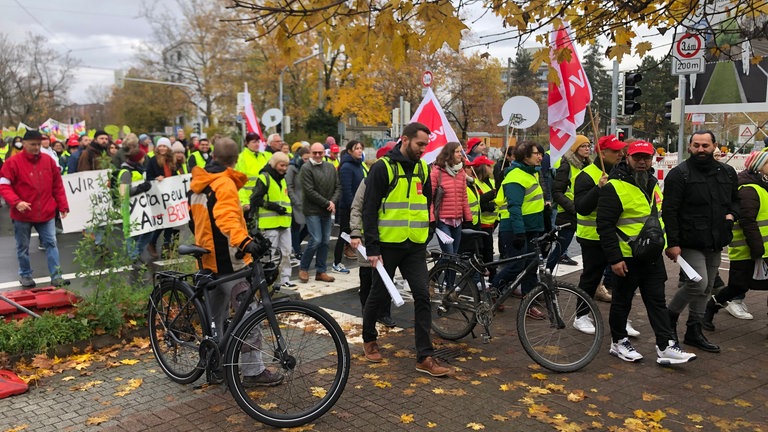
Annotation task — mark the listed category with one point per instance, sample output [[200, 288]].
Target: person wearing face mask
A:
[[700, 207], [749, 234], [16, 148]]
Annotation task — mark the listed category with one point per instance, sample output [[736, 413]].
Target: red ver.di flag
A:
[[251, 121], [568, 99], [431, 114]]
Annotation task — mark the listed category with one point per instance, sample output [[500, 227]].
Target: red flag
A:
[[431, 114], [251, 122], [568, 100]]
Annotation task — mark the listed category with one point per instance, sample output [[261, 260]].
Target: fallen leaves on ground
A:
[[406, 418], [132, 385]]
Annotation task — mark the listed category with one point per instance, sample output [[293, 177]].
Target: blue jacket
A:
[[514, 193], [351, 173]]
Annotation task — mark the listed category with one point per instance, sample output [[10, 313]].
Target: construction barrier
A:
[[38, 300]]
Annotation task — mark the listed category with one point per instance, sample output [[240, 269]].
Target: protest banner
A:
[[86, 192], [163, 206]]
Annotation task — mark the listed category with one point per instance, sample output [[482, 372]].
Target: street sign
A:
[[688, 66], [688, 54], [746, 131], [426, 79]]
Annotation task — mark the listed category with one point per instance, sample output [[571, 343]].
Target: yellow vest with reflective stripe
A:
[[473, 196], [4, 151], [738, 250], [125, 200], [586, 226], [250, 164], [533, 201], [403, 213], [635, 211], [276, 193], [569, 192], [199, 159], [487, 217]]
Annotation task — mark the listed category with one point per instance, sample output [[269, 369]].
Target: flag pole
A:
[[594, 129]]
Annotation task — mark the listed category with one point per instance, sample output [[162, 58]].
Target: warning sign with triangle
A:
[[746, 132]]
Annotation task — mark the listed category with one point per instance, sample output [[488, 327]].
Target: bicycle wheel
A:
[[314, 374], [175, 330], [453, 299], [559, 349]]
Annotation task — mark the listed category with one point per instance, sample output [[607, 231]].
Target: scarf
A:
[[453, 170]]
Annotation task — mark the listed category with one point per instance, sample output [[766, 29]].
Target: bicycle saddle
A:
[[470, 233], [193, 250]]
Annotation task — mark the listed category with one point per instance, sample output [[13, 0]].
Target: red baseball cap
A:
[[73, 141], [472, 143], [641, 147], [381, 152], [334, 148], [610, 142], [480, 160]]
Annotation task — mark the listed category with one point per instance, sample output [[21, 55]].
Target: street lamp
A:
[[301, 60]]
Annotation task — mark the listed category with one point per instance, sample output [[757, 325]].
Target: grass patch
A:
[[723, 86]]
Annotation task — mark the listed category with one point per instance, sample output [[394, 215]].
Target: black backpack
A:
[[650, 242]]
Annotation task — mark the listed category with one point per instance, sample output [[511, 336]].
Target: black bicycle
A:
[[461, 298], [300, 341]]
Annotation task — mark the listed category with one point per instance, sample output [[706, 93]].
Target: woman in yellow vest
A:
[[568, 167], [488, 216], [272, 206], [750, 236], [523, 217]]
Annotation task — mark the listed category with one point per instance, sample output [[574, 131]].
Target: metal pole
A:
[[681, 126], [509, 91], [320, 77], [614, 96], [280, 102]]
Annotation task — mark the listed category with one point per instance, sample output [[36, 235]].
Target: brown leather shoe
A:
[[349, 252], [430, 366], [323, 277], [152, 250], [371, 350], [303, 276]]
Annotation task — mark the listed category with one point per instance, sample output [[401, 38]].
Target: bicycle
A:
[[461, 299], [303, 341]]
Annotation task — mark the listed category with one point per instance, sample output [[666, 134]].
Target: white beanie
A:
[[163, 142]]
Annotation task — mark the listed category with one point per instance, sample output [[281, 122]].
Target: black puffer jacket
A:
[[561, 183], [610, 208], [749, 207], [697, 197]]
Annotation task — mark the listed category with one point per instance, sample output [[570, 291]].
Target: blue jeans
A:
[[512, 269], [47, 231], [135, 245], [319, 228], [454, 232]]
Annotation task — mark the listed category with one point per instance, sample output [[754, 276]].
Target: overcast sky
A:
[[105, 34]]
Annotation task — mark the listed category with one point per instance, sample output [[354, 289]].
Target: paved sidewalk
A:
[[496, 386]]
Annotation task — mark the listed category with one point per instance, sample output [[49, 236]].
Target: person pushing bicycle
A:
[[219, 226]]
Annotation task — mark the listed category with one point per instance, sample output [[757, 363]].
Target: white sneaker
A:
[[625, 351], [631, 332], [584, 324], [738, 309], [673, 354]]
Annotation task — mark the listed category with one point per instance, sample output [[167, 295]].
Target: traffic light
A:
[[621, 135], [673, 110], [198, 128], [632, 91]]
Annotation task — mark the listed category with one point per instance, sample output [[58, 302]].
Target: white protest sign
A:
[[85, 191], [163, 206]]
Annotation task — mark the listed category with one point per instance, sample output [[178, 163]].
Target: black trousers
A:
[[413, 266], [594, 262], [650, 278], [366, 282]]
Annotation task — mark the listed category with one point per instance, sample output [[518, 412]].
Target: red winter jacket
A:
[[455, 204], [35, 179]]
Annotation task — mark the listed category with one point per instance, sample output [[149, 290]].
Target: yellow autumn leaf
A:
[[605, 376], [741, 403], [475, 426], [500, 418], [132, 385], [649, 397], [422, 380], [371, 376], [129, 361], [475, 382], [642, 48], [504, 387], [538, 390], [474, 350], [18, 428], [592, 413], [717, 401], [96, 420], [406, 418], [431, 425], [485, 359], [539, 376], [612, 414], [556, 387], [696, 418], [409, 392], [576, 396], [69, 378], [438, 390], [132, 322], [318, 392], [383, 384], [656, 416]]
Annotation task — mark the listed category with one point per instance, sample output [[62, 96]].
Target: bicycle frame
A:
[[254, 273]]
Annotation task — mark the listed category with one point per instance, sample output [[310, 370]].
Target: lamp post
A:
[[301, 60]]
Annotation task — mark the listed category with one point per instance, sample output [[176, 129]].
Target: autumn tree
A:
[[34, 80]]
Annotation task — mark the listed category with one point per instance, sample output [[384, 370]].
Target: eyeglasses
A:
[[318, 152]]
